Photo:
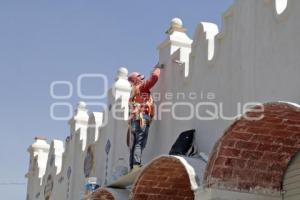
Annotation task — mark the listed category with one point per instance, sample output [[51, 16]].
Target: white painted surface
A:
[[255, 57]]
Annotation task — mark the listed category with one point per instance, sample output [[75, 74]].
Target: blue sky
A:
[[45, 41]]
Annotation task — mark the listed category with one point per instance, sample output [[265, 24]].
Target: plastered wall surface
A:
[[254, 57]]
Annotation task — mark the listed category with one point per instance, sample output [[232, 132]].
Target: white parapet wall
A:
[[207, 81]]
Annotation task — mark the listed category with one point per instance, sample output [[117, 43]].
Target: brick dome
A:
[[166, 177], [109, 194], [102, 194], [253, 155]]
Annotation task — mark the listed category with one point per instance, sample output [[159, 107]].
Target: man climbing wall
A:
[[141, 112]]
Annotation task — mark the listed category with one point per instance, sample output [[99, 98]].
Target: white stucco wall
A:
[[255, 57]]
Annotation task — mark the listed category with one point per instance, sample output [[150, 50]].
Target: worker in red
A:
[[141, 112]]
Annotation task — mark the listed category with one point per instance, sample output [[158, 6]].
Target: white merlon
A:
[[80, 118], [94, 124], [121, 88], [38, 157], [177, 41], [281, 6], [57, 150], [209, 30], [40, 145]]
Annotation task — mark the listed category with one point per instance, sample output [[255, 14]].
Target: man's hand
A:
[[160, 66]]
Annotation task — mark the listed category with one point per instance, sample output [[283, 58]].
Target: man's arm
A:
[[151, 81]]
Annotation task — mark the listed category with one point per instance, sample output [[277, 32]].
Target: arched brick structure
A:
[[102, 194], [164, 178], [254, 154], [106, 193]]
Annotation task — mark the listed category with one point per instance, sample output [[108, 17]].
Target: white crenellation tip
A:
[[122, 73], [176, 26], [81, 105], [176, 22], [40, 138]]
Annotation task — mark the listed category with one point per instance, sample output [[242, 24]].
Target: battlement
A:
[[253, 58]]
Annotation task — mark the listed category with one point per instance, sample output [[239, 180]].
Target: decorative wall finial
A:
[[176, 22], [81, 105], [40, 143], [122, 73], [176, 25]]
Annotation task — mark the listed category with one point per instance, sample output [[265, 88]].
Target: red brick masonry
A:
[[164, 179], [102, 194], [256, 154]]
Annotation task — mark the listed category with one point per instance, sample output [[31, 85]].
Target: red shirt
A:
[[145, 86], [142, 93]]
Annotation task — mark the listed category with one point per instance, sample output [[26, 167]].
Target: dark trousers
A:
[[140, 135]]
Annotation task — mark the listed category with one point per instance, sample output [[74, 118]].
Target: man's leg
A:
[[145, 129], [141, 140], [131, 154], [134, 129]]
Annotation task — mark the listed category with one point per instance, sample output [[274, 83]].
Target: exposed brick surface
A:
[[102, 194], [164, 179], [254, 154]]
